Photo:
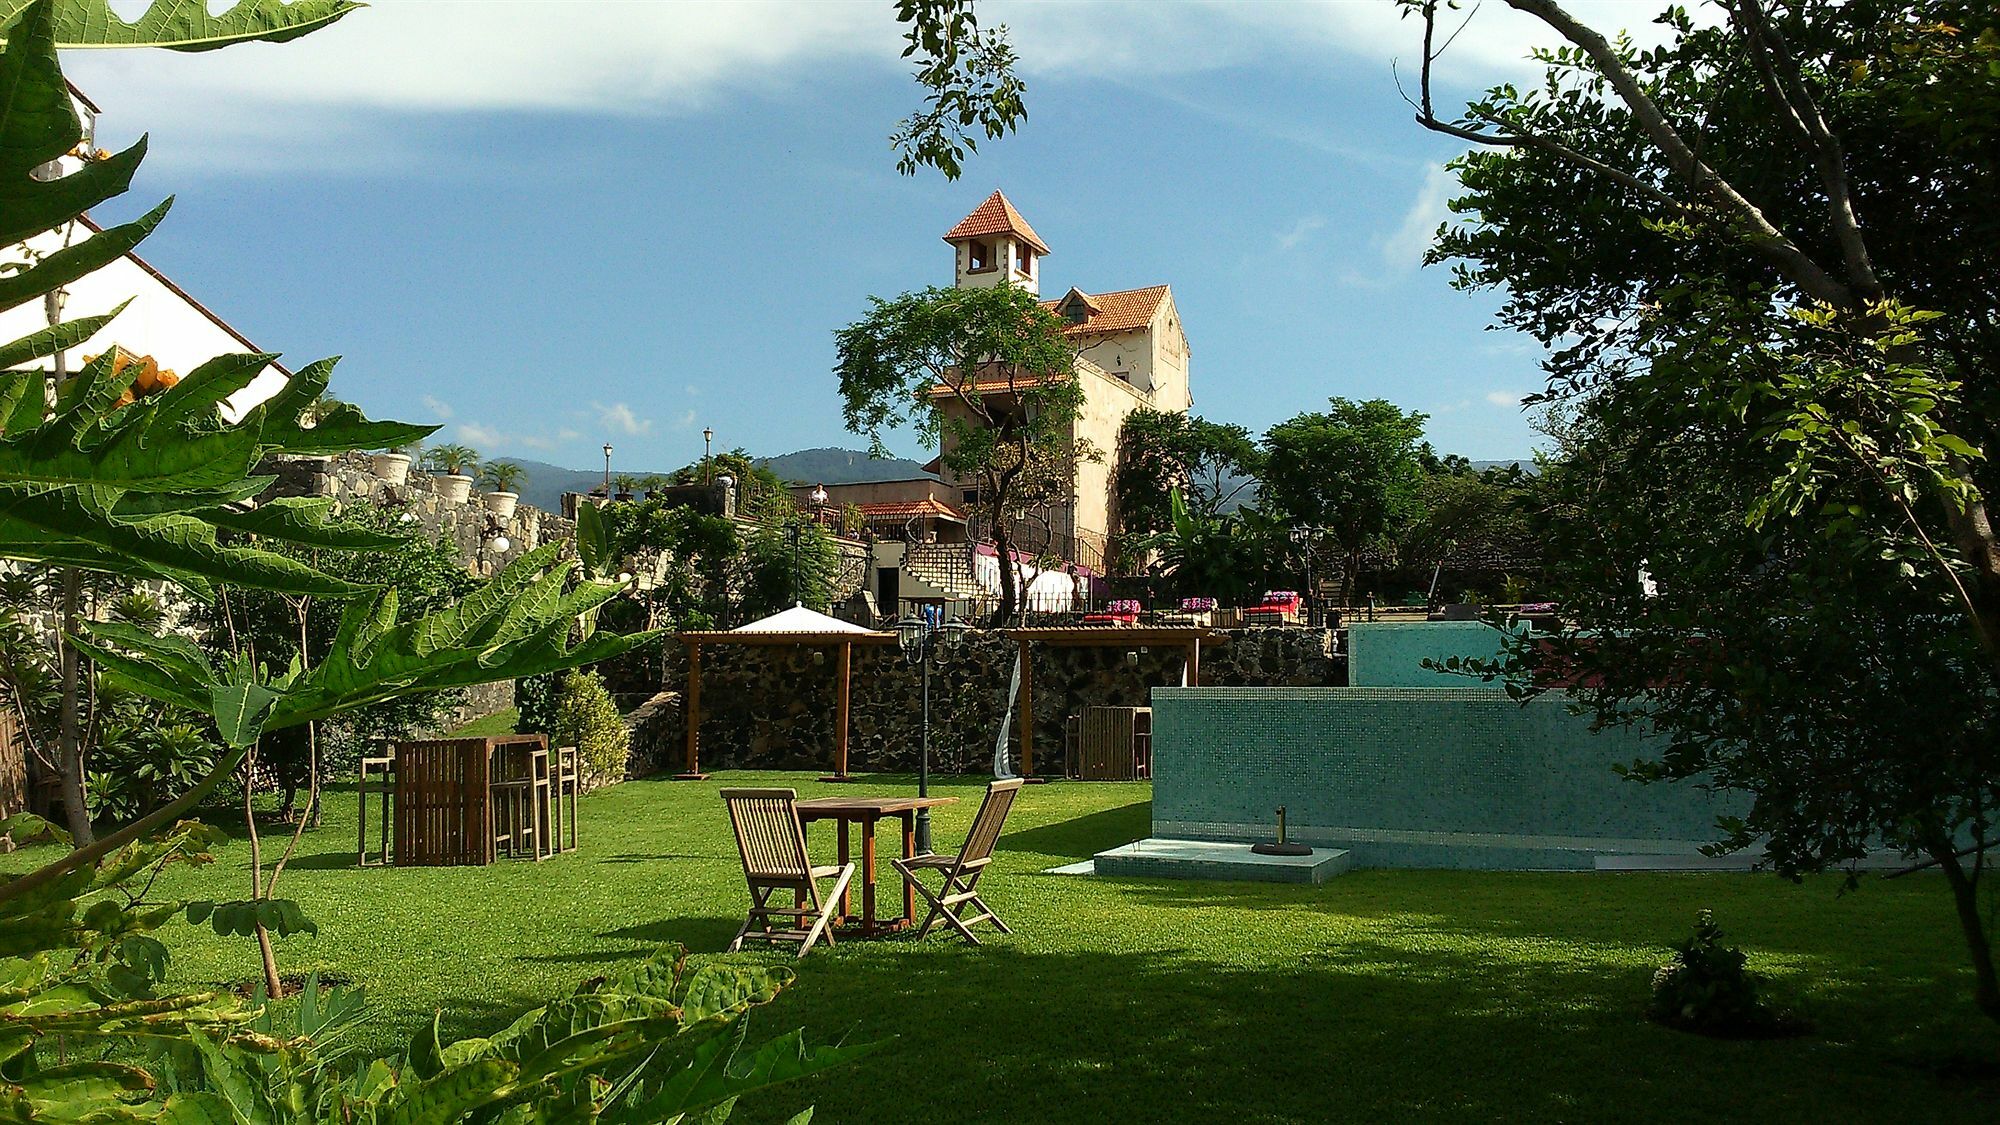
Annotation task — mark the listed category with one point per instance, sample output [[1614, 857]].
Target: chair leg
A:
[[822, 923]]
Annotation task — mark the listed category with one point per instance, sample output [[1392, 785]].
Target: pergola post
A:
[[1194, 663], [693, 763], [843, 690]]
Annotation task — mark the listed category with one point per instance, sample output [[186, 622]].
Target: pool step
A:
[[1158, 858]]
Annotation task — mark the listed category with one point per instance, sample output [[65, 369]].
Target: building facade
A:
[[1131, 353]]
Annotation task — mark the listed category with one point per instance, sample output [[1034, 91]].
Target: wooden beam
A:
[[1194, 663], [840, 709], [693, 701]]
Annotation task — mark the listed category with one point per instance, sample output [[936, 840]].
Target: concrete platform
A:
[[1205, 859]]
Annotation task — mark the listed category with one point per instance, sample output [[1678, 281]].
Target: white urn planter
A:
[[392, 468], [453, 488], [501, 504]]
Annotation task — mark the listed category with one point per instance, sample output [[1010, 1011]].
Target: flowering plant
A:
[[1123, 605], [1197, 605], [1280, 597]]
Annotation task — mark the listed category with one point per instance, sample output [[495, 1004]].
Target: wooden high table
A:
[[866, 812]]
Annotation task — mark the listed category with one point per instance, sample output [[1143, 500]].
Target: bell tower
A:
[[995, 246]]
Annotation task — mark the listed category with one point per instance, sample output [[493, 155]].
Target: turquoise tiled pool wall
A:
[[1392, 654], [1413, 777]]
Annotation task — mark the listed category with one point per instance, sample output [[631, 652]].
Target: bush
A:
[[587, 719], [1707, 989], [535, 698]]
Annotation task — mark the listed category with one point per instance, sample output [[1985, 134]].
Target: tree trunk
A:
[[274, 985], [1010, 594], [69, 735], [1965, 896]]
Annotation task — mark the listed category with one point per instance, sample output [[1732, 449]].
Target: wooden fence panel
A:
[[1106, 746], [444, 810]]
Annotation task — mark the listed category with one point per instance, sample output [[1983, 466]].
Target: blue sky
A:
[[551, 226]]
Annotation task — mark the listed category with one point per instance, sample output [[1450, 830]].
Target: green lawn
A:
[[1381, 996], [499, 722]]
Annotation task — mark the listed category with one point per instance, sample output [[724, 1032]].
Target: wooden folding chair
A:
[[773, 845], [959, 895]]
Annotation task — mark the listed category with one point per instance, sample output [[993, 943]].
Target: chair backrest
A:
[[768, 833], [992, 817]]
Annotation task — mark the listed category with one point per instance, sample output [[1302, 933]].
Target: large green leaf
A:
[[49, 341], [79, 259], [186, 25], [239, 710]]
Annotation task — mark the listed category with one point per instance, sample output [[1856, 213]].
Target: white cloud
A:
[[329, 99], [1503, 398], [1404, 248], [685, 421], [618, 418], [1300, 231], [474, 434], [438, 407]]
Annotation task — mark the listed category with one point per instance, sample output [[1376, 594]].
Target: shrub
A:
[[535, 697], [1707, 989], [587, 719]]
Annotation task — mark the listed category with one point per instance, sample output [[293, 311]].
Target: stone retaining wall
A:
[[772, 707]]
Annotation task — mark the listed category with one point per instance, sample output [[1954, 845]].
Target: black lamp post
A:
[[925, 641], [607, 472], [1303, 536]]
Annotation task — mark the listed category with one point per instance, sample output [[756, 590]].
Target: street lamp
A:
[[925, 642], [607, 471], [707, 464], [1303, 536]]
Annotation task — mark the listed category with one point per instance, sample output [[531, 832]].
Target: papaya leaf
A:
[[180, 26]]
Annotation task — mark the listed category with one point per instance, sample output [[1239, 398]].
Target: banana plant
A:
[[658, 1041], [93, 479], [178, 25], [525, 621]]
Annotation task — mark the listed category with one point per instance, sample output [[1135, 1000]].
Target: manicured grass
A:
[[1381, 996], [499, 722]]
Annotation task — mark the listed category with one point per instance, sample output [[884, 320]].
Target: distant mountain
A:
[[1526, 466], [832, 465], [546, 483]]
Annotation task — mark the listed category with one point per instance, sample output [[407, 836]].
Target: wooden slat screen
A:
[[1106, 750]]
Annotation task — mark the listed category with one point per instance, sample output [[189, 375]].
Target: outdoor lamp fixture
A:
[[707, 465], [607, 470], [1304, 536], [495, 538], [925, 642]]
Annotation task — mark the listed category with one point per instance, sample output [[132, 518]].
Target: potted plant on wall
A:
[[392, 466], [504, 478], [654, 484], [451, 466], [625, 486]]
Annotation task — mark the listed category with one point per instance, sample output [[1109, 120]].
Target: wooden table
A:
[[866, 812]]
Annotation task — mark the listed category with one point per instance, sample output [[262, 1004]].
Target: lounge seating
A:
[[772, 843], [957, 900]]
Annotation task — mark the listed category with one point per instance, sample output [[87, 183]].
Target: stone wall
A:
[[772, 706], [350, 478]]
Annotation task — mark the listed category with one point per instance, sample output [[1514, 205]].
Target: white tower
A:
[[995, 246]]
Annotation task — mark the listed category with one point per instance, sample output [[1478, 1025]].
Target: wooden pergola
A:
[[1191, 638], [776, 630]]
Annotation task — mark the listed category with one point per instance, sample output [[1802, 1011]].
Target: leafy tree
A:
[[586, 718], [1732, 246], [1160, 452], [694, 558], [1476, 525], [798, 563], [1354, 470], [760, 493], [985, 373], [969, 72]]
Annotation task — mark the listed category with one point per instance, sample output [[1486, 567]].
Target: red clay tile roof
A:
[[1116, 312], [904, 509], [995, 216]]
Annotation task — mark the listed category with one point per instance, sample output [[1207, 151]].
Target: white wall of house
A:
[[161, 321]]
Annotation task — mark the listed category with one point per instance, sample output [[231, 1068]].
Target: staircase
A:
[[946, 566]]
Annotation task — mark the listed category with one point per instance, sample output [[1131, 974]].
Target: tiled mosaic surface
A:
[[1414, 777], [1392, 653]]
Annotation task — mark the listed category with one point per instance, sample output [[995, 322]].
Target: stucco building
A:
[[1131, 352]]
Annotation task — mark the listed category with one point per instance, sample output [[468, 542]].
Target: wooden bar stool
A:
[[564, 781], [382, 765], [511, 794]]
